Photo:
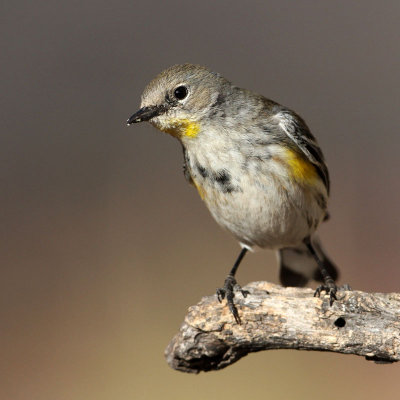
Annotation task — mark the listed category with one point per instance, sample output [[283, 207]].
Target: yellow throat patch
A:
[[181, 127], [300, 168]]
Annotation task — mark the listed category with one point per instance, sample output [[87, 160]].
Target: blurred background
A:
[[105, 246]]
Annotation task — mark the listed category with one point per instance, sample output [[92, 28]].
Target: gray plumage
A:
[[255, 162]]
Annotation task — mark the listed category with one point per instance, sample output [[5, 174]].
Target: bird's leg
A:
[[231, 286], [329, 285]]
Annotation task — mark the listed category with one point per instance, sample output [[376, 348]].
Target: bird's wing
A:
[[297, 130]]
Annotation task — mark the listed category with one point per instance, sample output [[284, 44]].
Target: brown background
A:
[[104, 244]]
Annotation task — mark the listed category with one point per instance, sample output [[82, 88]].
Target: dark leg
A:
[[231, 286], [329, 285]]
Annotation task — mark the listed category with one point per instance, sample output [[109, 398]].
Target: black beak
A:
[[145, 114]]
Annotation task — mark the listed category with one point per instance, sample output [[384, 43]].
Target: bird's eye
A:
[[181, 92]]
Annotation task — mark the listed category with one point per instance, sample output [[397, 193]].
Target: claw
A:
[[220, 294], [329, 289]]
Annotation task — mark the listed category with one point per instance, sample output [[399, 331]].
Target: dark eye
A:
[[181, 92]]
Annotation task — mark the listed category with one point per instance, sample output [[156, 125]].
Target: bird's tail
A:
[[298, 266]]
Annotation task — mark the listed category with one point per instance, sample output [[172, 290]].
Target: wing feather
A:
[[297, 130]]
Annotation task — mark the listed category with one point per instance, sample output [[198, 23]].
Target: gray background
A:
[[104, 244]]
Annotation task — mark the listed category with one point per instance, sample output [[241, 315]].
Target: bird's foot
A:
[[230, 288], [330, 289]]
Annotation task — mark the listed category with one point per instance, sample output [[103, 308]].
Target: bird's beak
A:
[[145, 114]]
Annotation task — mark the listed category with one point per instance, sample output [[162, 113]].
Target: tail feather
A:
[[291, 278], [298, 266]]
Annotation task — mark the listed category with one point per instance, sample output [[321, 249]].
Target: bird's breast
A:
[[269, 203]]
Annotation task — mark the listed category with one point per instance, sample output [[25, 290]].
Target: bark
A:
[[273, 317]]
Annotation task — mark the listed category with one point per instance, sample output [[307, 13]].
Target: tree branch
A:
[[273, 317]]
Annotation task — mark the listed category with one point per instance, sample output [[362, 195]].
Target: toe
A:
[[220, 294], [318, 291]]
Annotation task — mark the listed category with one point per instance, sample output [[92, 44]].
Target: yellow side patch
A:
[[300, 168], [182, 127], [200, 190]]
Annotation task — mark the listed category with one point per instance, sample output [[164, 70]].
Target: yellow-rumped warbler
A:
[[255, 164]]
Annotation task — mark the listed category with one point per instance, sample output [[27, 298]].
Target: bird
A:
[[256, 166]]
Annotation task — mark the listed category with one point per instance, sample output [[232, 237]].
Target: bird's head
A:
[[179, 101]]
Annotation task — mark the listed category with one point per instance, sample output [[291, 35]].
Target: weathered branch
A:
[[273, 317]]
